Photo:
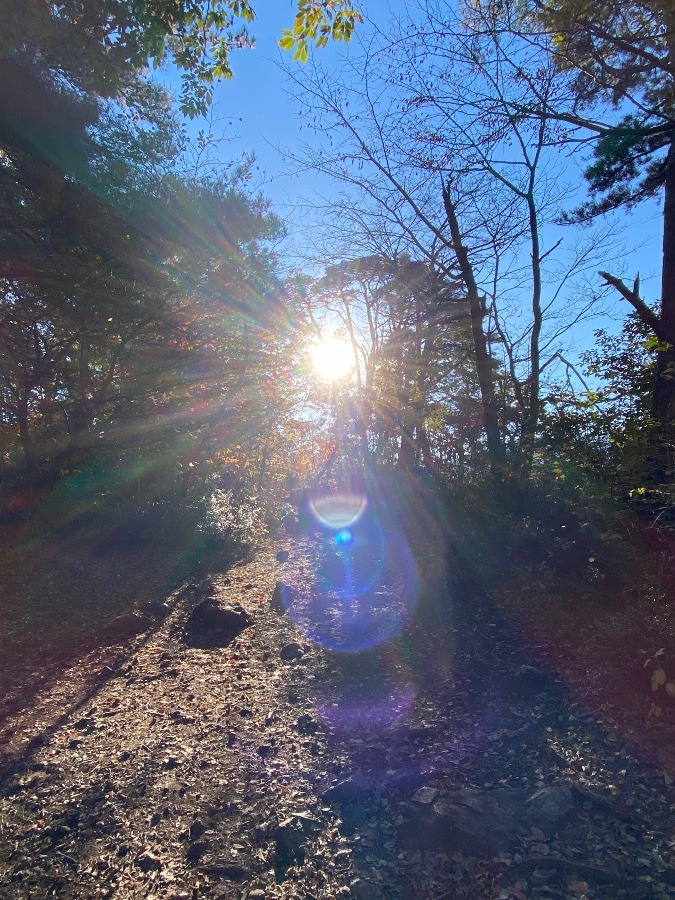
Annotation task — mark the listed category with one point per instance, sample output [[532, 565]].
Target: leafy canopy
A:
[[99, 46]]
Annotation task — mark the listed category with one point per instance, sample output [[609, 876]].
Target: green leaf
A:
[[656, 345], [286, 41]]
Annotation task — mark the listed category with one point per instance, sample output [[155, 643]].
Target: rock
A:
[[156, 608], [549, 807], [484, 823], [283, 596], [212, 625], [425, 794], [283, 556], [306, 821], [148, 862], [353, 790], [404, 780], [474, 822], [129, 624], [85, 724], [290, 836], [179, 718], [598, 801], [290, 652]]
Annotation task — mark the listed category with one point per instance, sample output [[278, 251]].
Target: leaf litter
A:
[[443, 764]]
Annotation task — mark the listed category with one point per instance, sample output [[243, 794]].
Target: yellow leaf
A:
[[658, 677], [670, 688]]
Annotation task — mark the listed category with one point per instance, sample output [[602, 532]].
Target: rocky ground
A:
[[448, 762]]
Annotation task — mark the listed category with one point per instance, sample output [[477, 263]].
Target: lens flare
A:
[[338, 511], [366, 588]]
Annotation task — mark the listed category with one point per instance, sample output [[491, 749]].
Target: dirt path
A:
[[439, 765]]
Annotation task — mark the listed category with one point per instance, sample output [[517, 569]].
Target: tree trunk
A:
[[425, 447], [25, 438], [663, 398], [533, 410], [484, 369]]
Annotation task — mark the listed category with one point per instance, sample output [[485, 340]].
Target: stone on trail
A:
[[283, 556], [196, 830], [549, 807], [480, 824], [212, 625], [129, 625], [156, 608], [283, 596], [425, 794], [484, 823], [148, 862], [291, 651], [353, 790]]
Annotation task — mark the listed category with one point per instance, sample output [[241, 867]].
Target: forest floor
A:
[[460, 759]]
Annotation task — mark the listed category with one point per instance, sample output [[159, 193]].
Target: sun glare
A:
[[332, 358]]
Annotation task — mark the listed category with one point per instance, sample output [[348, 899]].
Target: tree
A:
[[120, 281], [407, 325], [436, 152], [626, 53], [601, 430]]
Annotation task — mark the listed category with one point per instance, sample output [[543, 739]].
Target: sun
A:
[[332, 358]]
